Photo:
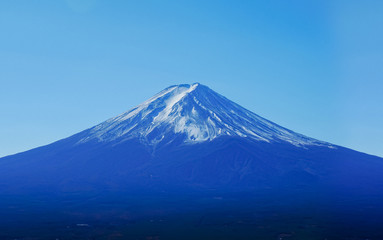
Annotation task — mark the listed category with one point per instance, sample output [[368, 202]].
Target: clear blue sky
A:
[[315, 67]]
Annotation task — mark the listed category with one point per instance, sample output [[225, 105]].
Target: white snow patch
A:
[[167, 112]]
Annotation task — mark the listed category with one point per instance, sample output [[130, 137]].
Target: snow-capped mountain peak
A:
[[196, 114]]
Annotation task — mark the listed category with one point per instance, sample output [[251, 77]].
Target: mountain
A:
[[189, 150], [188, 137]]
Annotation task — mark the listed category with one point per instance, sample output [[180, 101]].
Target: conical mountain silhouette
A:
[[188, 137]]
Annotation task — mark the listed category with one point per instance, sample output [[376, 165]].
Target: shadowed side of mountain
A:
[[226, 164]]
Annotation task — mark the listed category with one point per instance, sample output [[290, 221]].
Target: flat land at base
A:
[[188, 217]]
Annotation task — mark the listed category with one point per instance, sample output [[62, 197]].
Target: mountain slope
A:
[[189, 137]]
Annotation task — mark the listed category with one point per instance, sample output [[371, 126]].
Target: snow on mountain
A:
[[196, 113]]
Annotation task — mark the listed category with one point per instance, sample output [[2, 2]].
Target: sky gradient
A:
[[314, 67]]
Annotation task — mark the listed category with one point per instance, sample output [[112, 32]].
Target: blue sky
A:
[[312, 66]]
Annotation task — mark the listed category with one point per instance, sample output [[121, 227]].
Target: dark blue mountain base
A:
[[229, 188], [96, 185]]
